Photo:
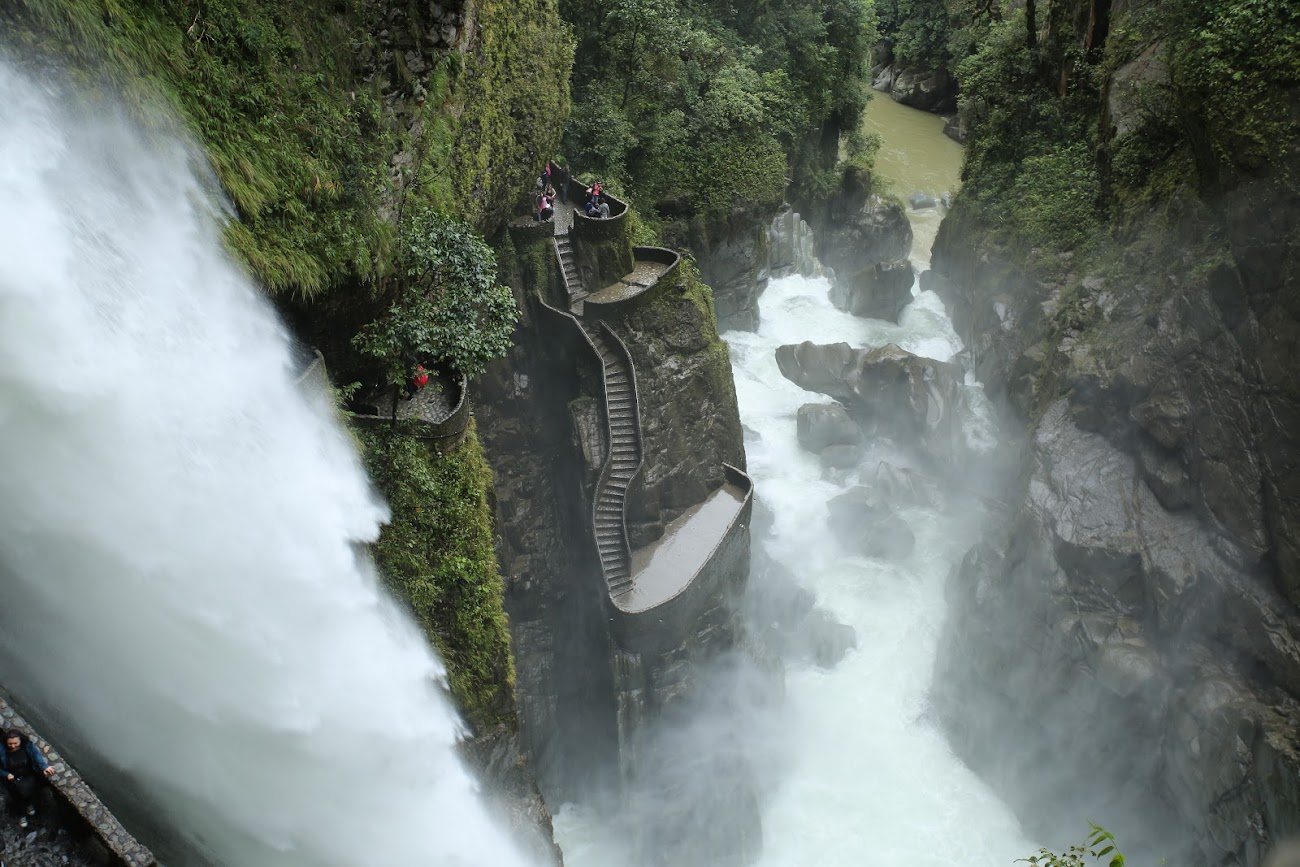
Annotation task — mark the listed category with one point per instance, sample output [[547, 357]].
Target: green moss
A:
[[515, 93], [283, 95], [437, 555], [269, 89]]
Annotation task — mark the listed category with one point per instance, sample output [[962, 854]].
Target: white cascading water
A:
[[184, 595]]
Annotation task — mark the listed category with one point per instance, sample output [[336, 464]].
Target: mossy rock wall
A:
[[324, 123], [437, 553], [689, 417]]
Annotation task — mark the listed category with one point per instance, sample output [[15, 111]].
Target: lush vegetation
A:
[[270, 89], [918, 31], [437, 554], [1044, 168], [699, 107], [445, 306], [301, 107]]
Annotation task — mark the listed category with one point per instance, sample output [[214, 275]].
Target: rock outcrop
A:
[[888, 391], [733, 260], [858, 229], [866, 523], [879, 292], [1135, 613]]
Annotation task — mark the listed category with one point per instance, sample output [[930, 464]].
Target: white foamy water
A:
[[871, 779], [867, 778], [184, 596]]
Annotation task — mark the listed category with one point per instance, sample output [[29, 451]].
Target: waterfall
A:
[[186, 595]]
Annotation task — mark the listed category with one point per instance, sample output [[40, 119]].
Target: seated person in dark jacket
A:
[[22, 764]]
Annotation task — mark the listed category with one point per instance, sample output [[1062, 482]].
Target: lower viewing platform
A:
[[667, 566]]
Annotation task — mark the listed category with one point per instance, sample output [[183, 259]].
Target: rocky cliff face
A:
[[593, 713], [1136, 613]]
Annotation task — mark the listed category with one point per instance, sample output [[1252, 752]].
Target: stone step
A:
[[619, 585]]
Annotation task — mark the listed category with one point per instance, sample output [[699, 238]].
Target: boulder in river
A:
[[878, 292], [920, 201], [887, 391], [826, 424]]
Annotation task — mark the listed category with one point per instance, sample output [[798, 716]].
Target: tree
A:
[[446, 306]]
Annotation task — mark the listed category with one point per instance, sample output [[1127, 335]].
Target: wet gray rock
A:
[[1137, 88], [733, 260], [859, 229], [829, 640], [1102, 604], [865, 524], [901, 486], [926, 89], [512, 793], [887, 391], [878, 292], [955, 129], [920, 201], [841, 457], [788, 620], [821, 425]]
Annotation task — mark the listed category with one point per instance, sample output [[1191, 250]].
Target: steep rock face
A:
[[1144, 590], [733, 261], [876, 293], [689, 419], [593, 713], [857, 230]]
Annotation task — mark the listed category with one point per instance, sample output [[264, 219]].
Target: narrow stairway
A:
[[568, 264], [624, 459]]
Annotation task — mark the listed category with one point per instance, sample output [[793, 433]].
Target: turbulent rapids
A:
[[186, 604]]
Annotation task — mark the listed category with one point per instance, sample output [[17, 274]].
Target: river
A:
[[866, 777]]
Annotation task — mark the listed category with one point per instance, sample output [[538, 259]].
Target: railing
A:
[[442, 435], [594, 307], [603, 480], [662, 626], [71, 789]]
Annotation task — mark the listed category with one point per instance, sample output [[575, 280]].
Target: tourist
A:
[[561, 176], [591, 209], [22, 763], [545, 207], [604, 209]]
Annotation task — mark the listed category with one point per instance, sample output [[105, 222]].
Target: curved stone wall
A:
[[613, 301], [526, 230], [69, 788], [443, 435], [659, 628]]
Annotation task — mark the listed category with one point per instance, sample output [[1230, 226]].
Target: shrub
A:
[[447, 306], [1100, 844]]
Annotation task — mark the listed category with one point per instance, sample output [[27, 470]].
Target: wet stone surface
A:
[[70, 818]]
